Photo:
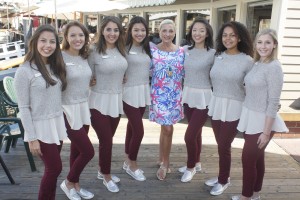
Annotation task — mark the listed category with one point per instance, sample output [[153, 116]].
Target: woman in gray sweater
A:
[[232, 62], [108, 64], [199, 58], [259, 119], [136, 92], [76, 108], [39, 82]]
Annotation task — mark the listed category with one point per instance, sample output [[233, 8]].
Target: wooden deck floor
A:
[[282, 178]]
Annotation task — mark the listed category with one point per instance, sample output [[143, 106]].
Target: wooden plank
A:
[[289, 95], [294, 78], [11, 63], [292, 23], [292, 51], [294, 13], [292, 42], [290, 59], [291, 87], [291, 68], [293, 4]]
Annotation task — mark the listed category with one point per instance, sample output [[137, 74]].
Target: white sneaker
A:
[[238, 197], [219, 189], [113, 177], [85, 194], [137, 174], [188, 175], [197, 168], [125, 165], [71, 194], [111, 186], [213, 181]]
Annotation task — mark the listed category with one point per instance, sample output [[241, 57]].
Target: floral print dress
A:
[[166, 86]]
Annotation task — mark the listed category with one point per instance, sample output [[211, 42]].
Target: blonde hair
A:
[[271, 33], [167, 21]]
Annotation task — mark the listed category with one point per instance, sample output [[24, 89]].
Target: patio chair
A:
[[3, 129], [14, 127], [8, 84]]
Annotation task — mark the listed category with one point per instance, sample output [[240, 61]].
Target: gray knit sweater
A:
[[109, 70], [78, 78], [197, 66], [263, 87], [35, 101], [227, 75], [138, 70]]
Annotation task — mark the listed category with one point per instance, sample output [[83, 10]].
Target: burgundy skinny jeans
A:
[[224, 134], [193, 135], [253, 160], [135, 130], [105, 127], [53, 167], [81, 151]]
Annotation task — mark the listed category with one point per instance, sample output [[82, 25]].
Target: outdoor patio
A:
[[282, 178]]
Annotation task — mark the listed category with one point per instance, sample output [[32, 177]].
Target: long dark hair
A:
[[101, 43], [55, 60], [245, 44], [129, 40], [208, 43], [83, 52]]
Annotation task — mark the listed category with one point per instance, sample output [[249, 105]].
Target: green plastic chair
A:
[[8, 84], [12, 127]]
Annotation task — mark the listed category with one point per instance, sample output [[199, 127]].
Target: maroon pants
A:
[[253, 160], [135, 130], [53, 167], [105, 127], [193, 134], [224, 134], [81, 151]]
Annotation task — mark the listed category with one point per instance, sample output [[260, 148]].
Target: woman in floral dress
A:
[[166, 90]]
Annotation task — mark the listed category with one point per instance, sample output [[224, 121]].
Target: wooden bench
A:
[[7, 64]]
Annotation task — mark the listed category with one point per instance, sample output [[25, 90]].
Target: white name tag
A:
[[37, 74], [132, 52], [70, 64], [105, 56]]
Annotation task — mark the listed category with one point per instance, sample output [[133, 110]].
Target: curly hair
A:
[[208, 43], [83, 52], [245, 44]]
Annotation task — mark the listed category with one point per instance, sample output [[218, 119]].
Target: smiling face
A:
[[138, 33], [46, 44], [111, 34], [199, 33], [76, 39], [265, 46], [167, 33], [230, 39]]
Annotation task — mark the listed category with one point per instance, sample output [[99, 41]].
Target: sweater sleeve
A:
[[274, 77], [22, 87]]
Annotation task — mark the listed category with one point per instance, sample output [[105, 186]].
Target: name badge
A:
[[105, 56], [70, 64], [132, 52], [37, 74]]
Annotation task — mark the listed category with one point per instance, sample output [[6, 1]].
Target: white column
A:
[[179, 24]]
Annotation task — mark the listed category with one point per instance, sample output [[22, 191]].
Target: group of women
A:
[[62, 93]]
